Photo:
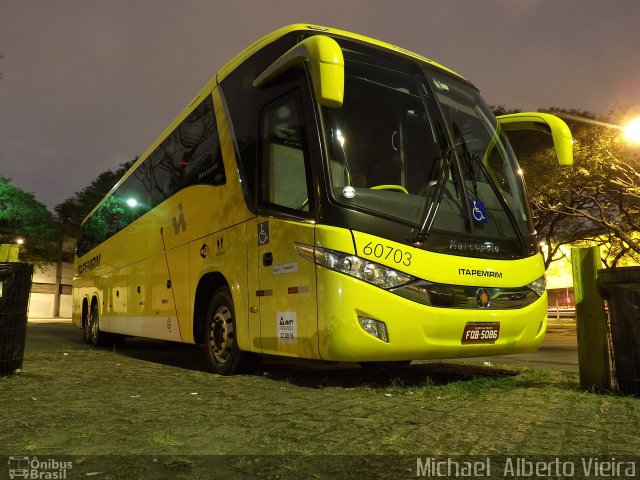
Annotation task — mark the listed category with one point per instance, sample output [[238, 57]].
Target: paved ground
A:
[[558, 352]]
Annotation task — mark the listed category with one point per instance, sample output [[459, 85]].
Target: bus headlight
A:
[[360, 268], [538, 285]]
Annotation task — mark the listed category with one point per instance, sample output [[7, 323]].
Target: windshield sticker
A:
[[478, 211]]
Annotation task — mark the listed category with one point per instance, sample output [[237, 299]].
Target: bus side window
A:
[[283, 169]]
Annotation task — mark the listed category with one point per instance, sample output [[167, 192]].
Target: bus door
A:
[[286, 281]]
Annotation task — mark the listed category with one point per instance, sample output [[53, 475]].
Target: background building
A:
[[51, 286]]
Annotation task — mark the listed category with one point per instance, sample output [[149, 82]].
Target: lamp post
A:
[[19, 242]]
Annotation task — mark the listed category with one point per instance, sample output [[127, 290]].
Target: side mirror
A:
[[562, 139], [326, 63]]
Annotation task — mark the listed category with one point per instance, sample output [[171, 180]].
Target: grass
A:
[[292, 422], [162, 439], [30, 446]]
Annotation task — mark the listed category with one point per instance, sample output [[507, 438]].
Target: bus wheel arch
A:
[[215, 326], [207, 286]]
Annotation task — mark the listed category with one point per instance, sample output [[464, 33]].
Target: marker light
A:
[[132, 202], [360, 268], [538, 285]]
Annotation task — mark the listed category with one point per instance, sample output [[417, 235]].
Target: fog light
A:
[[374, 327]]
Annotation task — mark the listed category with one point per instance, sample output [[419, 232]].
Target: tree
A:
[[22, 216], [609, 185], [73, 210], [595, 201]]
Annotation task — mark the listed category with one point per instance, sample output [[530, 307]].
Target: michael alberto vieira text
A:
[[522, 467]]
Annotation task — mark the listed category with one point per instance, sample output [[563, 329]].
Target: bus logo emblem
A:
[[179, 223], [482, 298]]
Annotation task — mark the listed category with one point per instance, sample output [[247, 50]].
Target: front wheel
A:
[[223, 353]]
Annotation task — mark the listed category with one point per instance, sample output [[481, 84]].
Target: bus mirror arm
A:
[[326, 64], [562, 139]]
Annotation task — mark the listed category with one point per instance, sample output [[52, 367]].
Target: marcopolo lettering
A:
[[479, 273], [486, 247], [89, 265]]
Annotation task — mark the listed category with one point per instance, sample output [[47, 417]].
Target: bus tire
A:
[[223, 353], [97, 338], [86, 326]]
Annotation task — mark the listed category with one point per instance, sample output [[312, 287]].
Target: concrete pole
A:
[[591, 325], [56, 297]]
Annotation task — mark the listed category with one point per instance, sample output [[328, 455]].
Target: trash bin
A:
[[620, 286], [15, 286]]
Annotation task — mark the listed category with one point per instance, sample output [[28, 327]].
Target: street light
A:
[[19, 242], [632, 130]]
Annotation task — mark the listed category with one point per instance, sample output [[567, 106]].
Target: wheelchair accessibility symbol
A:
[[478, 211], [263, 233]]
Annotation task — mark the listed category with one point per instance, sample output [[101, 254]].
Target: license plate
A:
[[481, 333]]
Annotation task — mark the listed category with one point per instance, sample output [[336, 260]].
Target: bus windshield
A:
[[412, 142]]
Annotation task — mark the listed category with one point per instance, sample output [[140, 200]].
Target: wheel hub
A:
[[221, 335]]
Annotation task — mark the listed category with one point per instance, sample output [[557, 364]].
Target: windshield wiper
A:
[[467, 156], [472, 159], [430, 214]]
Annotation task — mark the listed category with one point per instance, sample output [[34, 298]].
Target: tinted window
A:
[[190, 155], [245, 103]]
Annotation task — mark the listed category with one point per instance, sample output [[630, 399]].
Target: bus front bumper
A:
[[415, 331]]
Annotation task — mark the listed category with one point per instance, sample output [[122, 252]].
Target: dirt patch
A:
[[107, 409]]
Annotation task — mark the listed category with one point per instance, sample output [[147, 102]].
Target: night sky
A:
[[89, 84]]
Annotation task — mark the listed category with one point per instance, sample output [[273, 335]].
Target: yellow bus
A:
[[325, 196]]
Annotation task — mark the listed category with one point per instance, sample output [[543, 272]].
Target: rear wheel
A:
[[86, 326], [95, 335], [223, 352]]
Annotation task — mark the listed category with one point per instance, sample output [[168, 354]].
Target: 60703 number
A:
[[388, 253]]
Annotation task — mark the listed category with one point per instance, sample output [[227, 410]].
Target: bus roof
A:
[[305, 27]]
